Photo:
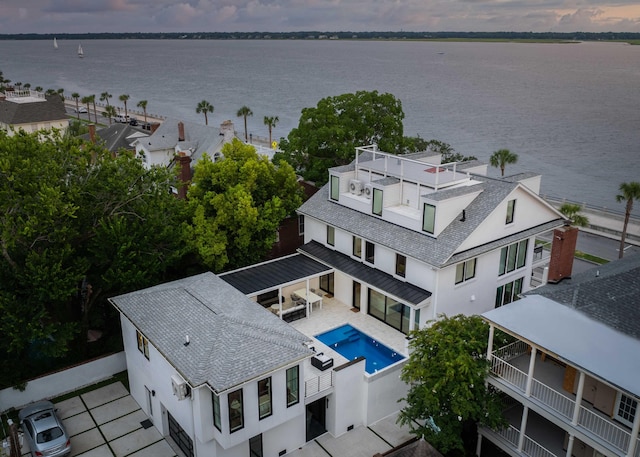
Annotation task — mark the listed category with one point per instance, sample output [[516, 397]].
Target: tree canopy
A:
[[446, 373], [236, 205], [328, 134], [76, 226], [501, 158]]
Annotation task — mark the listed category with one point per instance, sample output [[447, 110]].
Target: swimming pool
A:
[[351, 343]]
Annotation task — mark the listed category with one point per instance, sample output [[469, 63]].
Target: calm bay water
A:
[[570, 111]]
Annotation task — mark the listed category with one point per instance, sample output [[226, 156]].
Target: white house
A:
[[32, 111], [571, 375]]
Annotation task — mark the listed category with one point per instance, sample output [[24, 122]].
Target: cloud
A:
[[84, 6]]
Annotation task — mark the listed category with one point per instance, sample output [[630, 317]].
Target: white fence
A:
[[65, 381]]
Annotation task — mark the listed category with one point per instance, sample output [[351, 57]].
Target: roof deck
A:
[[24, 96]]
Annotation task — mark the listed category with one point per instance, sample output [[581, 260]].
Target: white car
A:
[[82, 109], [123, 119]]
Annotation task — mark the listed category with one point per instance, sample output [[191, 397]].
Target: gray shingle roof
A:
[[436, 252], [52, 109], [232, 338], [115, 137], [611, 297]]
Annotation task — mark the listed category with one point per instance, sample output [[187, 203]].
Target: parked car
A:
[[44, 431], [82, 109], [123, 119], [133, 121]]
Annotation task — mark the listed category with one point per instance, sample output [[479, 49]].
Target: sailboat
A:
[[55, 44], [80, 51]]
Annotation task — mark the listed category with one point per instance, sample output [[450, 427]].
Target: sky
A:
[[85, 16]]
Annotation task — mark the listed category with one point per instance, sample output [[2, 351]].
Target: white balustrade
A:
[[509, 373], [553, 399], [510, 434], [533, 449], [604, 428], [511, 351]]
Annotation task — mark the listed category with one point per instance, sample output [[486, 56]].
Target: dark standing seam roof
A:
[[383, 281], [270, 275]]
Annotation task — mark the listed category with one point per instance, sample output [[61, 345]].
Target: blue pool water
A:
[[351, 343]]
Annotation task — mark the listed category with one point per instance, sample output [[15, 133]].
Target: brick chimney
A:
[[154, 127], [184, 175], [180, 131], [563, 250], [92, 133]]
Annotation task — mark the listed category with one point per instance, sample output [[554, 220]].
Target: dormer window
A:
[[335, 188], [429, 218], [511, 209], [376, 202]]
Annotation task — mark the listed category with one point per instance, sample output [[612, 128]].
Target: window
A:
[[255, 446], [376, 203], [293, 386], [264, 398], [511, 209], [370, 252], [236, 414], [357, 247], [301, 225], [465, 270], [401, 265], [389, 311], [513, 256], [509, 292], [335, 188], [429, 218], [626, 409], [143, 344], [331, 235], [217, 422]]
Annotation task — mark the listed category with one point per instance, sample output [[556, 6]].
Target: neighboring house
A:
[[116, 137], [571, 376], [32, 111], [409, 239]]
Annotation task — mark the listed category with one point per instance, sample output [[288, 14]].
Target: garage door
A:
[[180, 436]]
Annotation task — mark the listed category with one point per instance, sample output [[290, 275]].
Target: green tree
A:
[[572, 212], [418, 144], [446, 374], [204, 107], [124, 98], [629, 191], [501, 158], [60, 92], [76, 97], [328, 134], [237, 204], [38, 89], [244, 112], [110, 112], [27, 86], [87, 101], [143, 104], [76, 128], [76, 226], [105, 96], [271, 122]]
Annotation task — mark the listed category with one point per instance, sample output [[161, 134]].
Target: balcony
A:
[[544, 393], [318, 384]]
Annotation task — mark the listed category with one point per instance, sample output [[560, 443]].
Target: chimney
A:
[[154, 127], [563, 250], [180, 131], [184, 175], [227, 131], [92, 133]]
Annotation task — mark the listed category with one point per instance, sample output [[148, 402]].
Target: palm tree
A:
[[95, 113], [60, 92], [105, 96], [18, 85], [110, 111], [244, 112], [87, 100], [50, 92], [271, 123], [629, 191], [123, 98], [26, 86], [204, 107], [38, 89], [76, 96], [143, 104], [501, 158], [572, 212]]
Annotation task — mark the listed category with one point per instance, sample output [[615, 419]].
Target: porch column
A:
[[570, 445], [412, 318], [634, 434], [523, 427], [490, 342], [306, 298], [576, 408], [532, 363], [280, 301], [479, 444]]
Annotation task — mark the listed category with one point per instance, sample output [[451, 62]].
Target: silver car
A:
[[44, 431]]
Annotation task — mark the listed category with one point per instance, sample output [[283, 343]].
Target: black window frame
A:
[[431, 228], [511, 211], [334, 190], [370, 252], [401, 265], [233, 411], [292, 384], [215, 404], [465, 266], [356, 247], [331, 235], [513, 257], [269, 393], [300, 224], [143, 344], [377, 202]]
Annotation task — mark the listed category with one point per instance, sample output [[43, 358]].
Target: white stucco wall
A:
[[382, 391], [347, 403]]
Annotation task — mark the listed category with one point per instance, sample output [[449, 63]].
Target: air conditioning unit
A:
[[368, 190], [355, 187], [179, 386]]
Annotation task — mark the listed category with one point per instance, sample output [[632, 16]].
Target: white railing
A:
[[553, 399], [509, 373], [511, 351], [318, 384], [510, 434], [605, 429], [533, 449]]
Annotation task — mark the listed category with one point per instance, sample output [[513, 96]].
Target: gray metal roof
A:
[[269, 275], [51, 109], [574, 337], [403, 290], [438, 252], [232, 338]]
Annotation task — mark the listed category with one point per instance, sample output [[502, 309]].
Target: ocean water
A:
[[570, 111]]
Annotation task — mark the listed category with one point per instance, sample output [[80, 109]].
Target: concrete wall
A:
[[64, 381], [382, 391]]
